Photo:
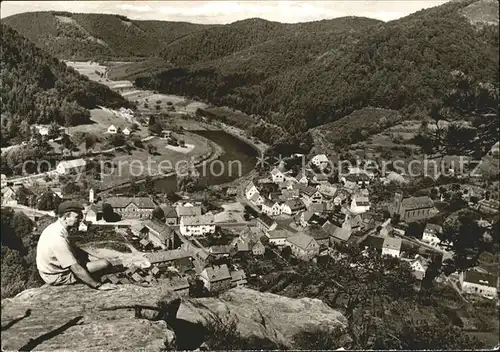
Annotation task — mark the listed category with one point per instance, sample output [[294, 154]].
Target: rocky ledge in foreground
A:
[[78, 318]]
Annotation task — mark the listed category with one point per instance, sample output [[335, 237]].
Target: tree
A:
[[79, 137], [24, 196], [108, 213], [286, 252], [71, 188], [48, 201], [155, 128], [116, 140], [158, 214], [465, 237], [90, 141], [66, 142], [432, 271], [149, 185], [415, 229], [53, 130]]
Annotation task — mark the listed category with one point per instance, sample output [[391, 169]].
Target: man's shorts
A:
[[64, 278]]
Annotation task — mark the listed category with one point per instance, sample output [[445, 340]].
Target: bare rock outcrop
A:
[[263, 315], [77, 318]]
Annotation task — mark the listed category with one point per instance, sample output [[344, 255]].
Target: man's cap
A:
[[67, 206]]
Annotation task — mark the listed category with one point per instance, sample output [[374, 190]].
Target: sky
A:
[[221, 12]]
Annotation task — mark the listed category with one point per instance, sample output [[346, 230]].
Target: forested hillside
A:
[[37, 88], [326, 74], [97, 36], [252, 40]]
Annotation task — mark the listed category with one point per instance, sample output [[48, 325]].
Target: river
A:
[[238, 159]]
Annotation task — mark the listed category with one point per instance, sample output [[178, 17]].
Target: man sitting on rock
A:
[[61, 263]]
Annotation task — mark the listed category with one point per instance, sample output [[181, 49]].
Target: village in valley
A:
[[345, 169], [200, 245]]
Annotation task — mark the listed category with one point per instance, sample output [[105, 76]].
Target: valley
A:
[[242, 184]]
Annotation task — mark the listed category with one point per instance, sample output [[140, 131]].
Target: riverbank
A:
[[215, 152], [244, 151]]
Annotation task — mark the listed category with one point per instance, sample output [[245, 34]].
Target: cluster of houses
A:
[[112, 129], [284, 194], [319, 213]]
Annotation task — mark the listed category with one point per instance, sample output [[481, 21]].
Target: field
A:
[[131, 70], [101, 121], [134, 162], [178, 103]]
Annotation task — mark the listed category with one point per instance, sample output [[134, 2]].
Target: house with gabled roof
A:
[[250, 190], [67, 166], [320, 235], [170, 214], [271, 208], [418, 266], [288, 183], [167, 257], [301, 179], [183, 210], [249, 240], [278, 236], [479, 283], [305, 216], [311, 195], [287, 194], [265, 223], [430, 235], [317, 219], [112, 129], [392, 246], [327, 190], [317, 208], [303, 246], [132, 207], [292, 206], [488, 206], [222, 251], [374, 242], [238, 278], [198, 225], [321, 178], [126, 131], [257, 199], [8, 196], [360, 204], [321, 161], [277, 176], [159, 234], [216, 278], [341, 234]]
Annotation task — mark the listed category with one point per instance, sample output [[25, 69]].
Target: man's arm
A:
[[82, 273]]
